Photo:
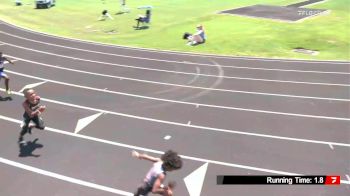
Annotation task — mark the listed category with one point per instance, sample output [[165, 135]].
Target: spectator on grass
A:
[[143, 18], [105, 15], [18, 2], [197, 38]]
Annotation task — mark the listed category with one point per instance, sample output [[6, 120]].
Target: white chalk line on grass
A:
[[178, 72], [180, 53], [159, 152], [179, 85], [183, 102], [171, 61], [189, 125], [64, 178]]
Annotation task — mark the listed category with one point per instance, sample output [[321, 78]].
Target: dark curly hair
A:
[[171, 160]]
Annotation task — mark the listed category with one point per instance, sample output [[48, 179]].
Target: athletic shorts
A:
[[2, 74]]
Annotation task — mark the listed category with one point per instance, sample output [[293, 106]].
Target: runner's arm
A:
[[29, 111], [145, 156], [8, 60]]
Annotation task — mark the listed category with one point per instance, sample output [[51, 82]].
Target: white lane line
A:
[[82, 123], [167, 137], [179, 72], [183, 86], [1, 44], [64, 178], [193, 126], [32, 85], [157, 151], [13, 60], [176, 52], [183, 102], [181, 62]]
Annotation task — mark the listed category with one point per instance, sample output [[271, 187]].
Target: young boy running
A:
[[2, 74], [155, 177], [32, 112]]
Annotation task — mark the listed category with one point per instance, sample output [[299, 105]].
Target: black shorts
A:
[[144, 189]]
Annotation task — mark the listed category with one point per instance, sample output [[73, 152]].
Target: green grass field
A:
[[229, 35]]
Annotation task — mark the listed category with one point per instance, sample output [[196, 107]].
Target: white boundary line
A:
[[186, 125], [64, 178], [181, 102], [178, 72], [175, 52], [159, 152], [318, 2], [179, 85], [180, 62]]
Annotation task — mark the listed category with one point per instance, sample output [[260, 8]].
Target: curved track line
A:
[[188, 125], [183, 102], [181, 62], [178, 85], [175, 52], [177, 72]]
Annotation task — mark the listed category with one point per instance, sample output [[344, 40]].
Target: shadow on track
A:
[[27, 149]]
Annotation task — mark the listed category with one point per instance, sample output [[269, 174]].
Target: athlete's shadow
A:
[[27, 149], [5, 98]]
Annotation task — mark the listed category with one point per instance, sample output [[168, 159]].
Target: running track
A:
[[243, 116]]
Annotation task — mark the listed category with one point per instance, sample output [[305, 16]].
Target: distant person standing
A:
[[123, 7], [4, 75]]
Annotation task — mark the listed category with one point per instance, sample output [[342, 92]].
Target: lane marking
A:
[[179, 72], [195, 77], [64, 178], [193, 126], [160, 152], [32, 85], [331, 146], [194, 181], [180, 53], [167, 137], [187, 103], [82, 123], [185, 86]]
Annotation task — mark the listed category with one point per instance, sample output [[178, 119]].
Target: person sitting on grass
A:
[[105, 15], [154, 179], [143, 18], [197, 38]]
